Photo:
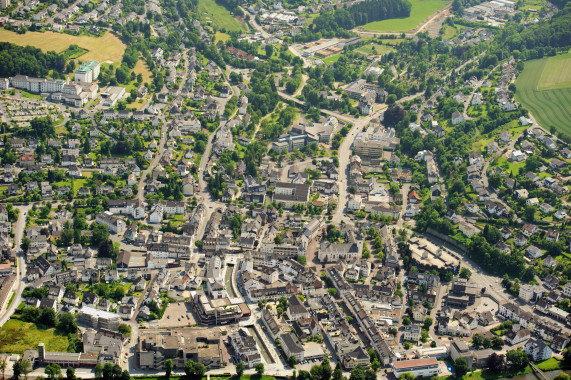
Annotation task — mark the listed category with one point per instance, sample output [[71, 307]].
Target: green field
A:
[[17, 336], [218, 16], [421, 9], [544, 88], [378, 49]]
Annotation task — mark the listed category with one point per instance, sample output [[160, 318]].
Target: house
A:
[[538, 350], [412, 333], [549, 262], [533, 252], [457, 118], [557, 165], [517, 156], [296, 310]]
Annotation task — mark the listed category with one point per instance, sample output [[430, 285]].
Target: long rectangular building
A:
[[426, 367]]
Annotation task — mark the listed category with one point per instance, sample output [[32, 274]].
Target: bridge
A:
[[539, 373]]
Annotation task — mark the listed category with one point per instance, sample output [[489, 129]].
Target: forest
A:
[[28, 60]]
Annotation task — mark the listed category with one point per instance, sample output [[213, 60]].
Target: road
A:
[[19, 228]]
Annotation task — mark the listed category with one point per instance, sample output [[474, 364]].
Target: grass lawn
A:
[[141, 68], [549, 364], [544, 87], [218, 16], [219, 36], [106, 48], [17, 336], [513, 167], [449, 32], [421, 9], [379, 49], [332, 59]]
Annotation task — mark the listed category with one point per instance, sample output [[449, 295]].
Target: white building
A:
[[426, 367]]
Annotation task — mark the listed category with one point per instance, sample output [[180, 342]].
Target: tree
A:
[[16, 369], [427, 323], [406, 321], [497, 342], [168, 368], [406, 376], [461, 367], [393, 115], [477, 340], [269, 50], [43, 127], [199, 370], [465, 273], [25, 244], [496, 362], [338, 374], [125, 375], [48, 317], [260, 369], [562, 376], [3, 366], [529, 213], [117, 371], [108, 371], [189, 368], [487, 343], [240, 367], [357, 373], [53, 371], [326, 370], [25, 368], [518, 359], [70, 373], [125, 329], [67, 323], [292, 361], [433, 344], [98, 370]]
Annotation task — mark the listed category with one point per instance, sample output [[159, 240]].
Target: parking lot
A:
[[179, 314]]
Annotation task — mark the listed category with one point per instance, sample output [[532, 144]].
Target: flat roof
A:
[[414, 363]]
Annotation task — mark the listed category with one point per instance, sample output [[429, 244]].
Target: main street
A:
[[19, 228]]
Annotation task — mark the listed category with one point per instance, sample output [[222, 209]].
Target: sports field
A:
[[219, 16], [420, 10], [106, 48], [544, 88]]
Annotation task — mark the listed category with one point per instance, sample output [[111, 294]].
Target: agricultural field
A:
[[16, 336], [218, 16], [544, 88], [103, 49], [421, 9]]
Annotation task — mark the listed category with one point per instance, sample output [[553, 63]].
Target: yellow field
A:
[[556, 73], [106, 48], [142, 68]]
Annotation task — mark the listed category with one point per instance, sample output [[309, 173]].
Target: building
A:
[[245, 348], [114, 225], [201, 345], [98, 319], [426, 367], [292, 346], [538, 350], [459, 349], [412, 333], [4, 4], [88, 72], [296, 310], [290, 194]]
